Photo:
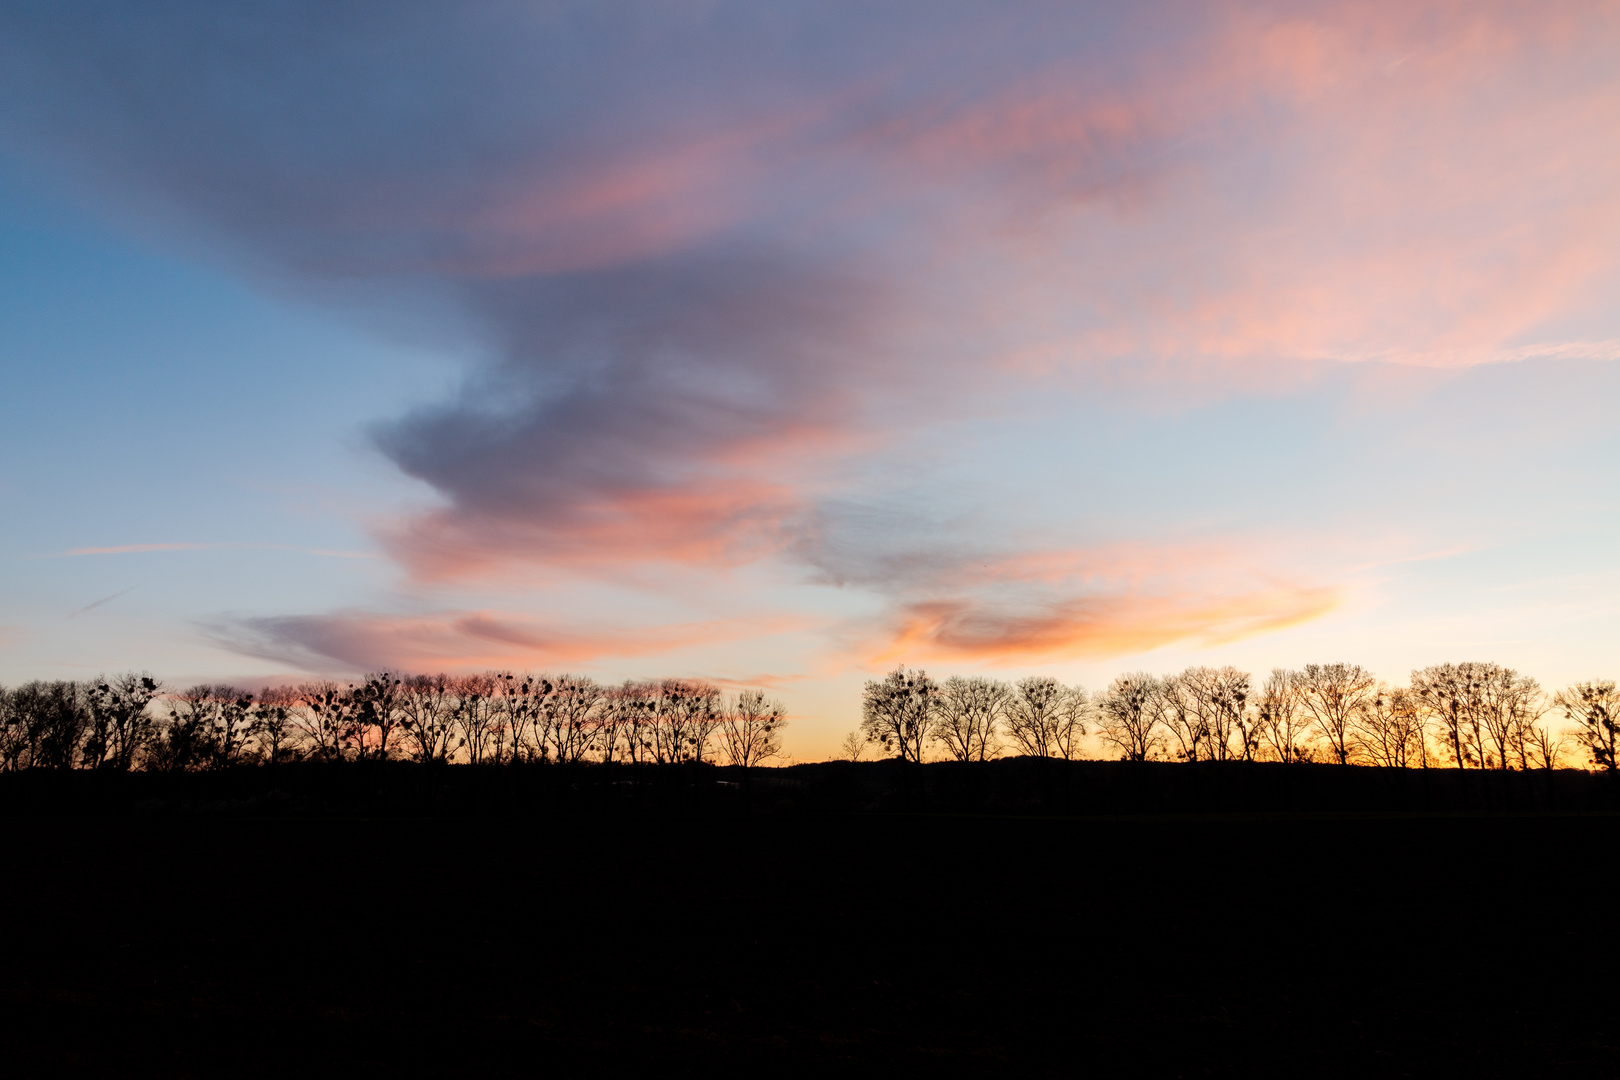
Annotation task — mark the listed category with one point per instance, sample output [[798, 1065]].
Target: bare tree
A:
[[1280, 716], [636, 704], [703, 719], [478, 715], [1390, 729], [664, 734], [13, 734], [898, 712], [1595, 709], [1546, 747], [751, 729], [232, 716], [1043, 718], [1509, 706], [427, 708], [853, 746], [687, 715], [1334, 695], [376, 715], [571, 710], [618, 723], [1450, 692], [1178, 713], [324, 714], [1074, 714], [681, 720], [967, 715], [120, 721], [1218, 700], [184, 739], [271, 727], [1126, 717], [522, 731], [55, 718]]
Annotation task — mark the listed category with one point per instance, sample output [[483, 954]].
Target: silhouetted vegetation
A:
[[1468, 716], [491, 718], [1199, 741]]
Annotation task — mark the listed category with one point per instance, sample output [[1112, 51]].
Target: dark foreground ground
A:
[[1328, 946]]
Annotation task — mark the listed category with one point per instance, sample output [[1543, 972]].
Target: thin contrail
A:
[[103, 600]]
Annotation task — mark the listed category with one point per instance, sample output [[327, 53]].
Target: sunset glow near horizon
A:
[[780, 343]]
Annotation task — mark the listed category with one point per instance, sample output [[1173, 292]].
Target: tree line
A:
[[130, 722], [1467, 715]]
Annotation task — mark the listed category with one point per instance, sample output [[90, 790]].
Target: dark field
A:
[[1173, 946]]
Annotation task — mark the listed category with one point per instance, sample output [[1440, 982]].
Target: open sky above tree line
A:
[[779, 343]]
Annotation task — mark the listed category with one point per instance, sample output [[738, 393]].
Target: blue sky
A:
[[780, 343]]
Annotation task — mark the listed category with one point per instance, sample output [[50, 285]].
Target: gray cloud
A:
[[689, 233]]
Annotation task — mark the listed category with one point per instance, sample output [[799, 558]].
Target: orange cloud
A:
[[1088, 627]]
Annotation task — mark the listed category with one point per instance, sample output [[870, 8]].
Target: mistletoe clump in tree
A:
[[899, 710]]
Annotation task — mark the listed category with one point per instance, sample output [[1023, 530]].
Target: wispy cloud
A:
[[1091, 627], [352, 642]]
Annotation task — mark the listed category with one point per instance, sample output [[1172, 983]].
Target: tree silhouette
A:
[[120, 723], [1218, 699], [55, 718], [1486, 715], [1546, 747], [323, 713], [636, 705], [206, 727], [1595, 709], [427, 706], [571, 707], [897, 712], [1280, 716], [519, 731], [1045, 718], [1074, 714], [1334, 695], [1127, 718], [478, 714], [751, 729], [1178, 713], [968, 714], [1390, 729], [181, 742], [1480, 707], [13, 734], [271, 726], [617, 723], [377, 714], [686, 716], [233, 718]]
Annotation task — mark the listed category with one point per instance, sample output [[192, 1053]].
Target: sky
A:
[[779, 343]]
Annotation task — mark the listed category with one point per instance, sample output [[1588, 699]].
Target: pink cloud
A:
[[461, 641], [743, 258], [1351, 181], [716, 524]]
